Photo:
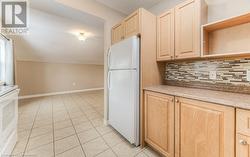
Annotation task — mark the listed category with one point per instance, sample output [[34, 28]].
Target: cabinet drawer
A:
[[242, 146], [243, 121]]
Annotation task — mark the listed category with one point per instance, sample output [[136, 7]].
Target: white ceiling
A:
[[53, 27], [52, 35], [128, 6]]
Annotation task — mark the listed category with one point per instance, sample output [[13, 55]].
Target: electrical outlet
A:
[[212, 75], [248, 75], [74, 84]]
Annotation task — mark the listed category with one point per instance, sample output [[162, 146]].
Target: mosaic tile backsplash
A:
[[231, 74]]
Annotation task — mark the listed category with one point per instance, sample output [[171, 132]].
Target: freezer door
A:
[[124, 103], [125, 54]]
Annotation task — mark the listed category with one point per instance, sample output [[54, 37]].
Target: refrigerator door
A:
[[125, 54], [124, 103]]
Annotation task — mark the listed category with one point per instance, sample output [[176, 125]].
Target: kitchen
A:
[[194, 94], [176, 84]]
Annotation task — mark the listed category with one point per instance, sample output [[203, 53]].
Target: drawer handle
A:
[[243, 142]]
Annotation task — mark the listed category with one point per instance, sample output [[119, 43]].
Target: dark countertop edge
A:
[[217, 99]]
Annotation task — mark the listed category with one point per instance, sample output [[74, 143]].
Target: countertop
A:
[[6, 89], [218, 97]]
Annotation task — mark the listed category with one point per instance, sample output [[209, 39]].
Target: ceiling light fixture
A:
[[82, 37]]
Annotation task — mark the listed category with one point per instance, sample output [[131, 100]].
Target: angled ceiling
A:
[[53, 28], [53, 35], [128, 6]]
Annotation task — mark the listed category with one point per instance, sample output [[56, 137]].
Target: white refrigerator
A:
[[123, 88]]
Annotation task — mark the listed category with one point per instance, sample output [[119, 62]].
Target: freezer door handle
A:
[[109, 51]]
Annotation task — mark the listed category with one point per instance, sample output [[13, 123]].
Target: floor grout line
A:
[[54, 147], [75, 129], [32, 127], [91, 106], [108, 144], [68, 149], [72, 105], [101, 137]]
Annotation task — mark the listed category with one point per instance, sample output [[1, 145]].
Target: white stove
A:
[[8, 118]]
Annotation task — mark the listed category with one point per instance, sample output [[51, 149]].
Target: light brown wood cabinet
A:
[[203, 129], [185, 20], [131, 24], [117, 33], [234, 30], [159, 122], [242, 146], [180, 127], [243, 133], [165, 37], [128, 27]]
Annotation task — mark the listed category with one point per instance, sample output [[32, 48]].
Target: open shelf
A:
[[229, 37], [228, 55], [230, 22]]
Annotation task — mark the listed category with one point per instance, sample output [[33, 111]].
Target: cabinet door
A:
[[204, 129], [117, 33], [131, 24], [187, 29], [242, 146], [159, 122], [243, 133], [165, 36]]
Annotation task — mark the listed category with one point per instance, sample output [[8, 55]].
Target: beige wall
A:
[[111, 18], [220, 9], [217, 9], [39, 77]]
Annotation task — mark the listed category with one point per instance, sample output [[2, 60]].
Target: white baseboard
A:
[[59, 93]]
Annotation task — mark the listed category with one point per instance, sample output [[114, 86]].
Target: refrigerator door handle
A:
[[109, 79], [108, 56]]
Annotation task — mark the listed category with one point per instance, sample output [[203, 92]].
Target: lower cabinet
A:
[[242, 146], [159, 122], [243, 133], [203, 129], [189, 128]]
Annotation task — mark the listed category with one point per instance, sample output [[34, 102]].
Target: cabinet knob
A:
[[177, 101], [243, 142], [176, 56]]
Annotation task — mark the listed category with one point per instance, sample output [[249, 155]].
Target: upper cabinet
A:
[[187, 29], [165, 31], [180, 30], [131, 24], [128, 27], [117, 33], [183, 32]]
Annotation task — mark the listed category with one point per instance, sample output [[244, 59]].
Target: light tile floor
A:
[[70, 126]]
